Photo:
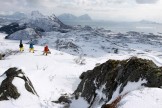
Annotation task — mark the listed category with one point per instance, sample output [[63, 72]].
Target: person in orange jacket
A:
[[46, 50]]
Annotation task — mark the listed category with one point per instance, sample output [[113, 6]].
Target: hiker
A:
[[31, 47], [21, 46], [46, 50]]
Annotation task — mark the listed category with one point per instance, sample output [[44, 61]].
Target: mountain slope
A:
[[143, 98], [58, 73], [50, 75]]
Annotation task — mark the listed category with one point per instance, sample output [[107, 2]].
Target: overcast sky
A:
[[125, 10]]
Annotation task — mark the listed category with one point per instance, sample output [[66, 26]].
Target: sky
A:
[[118, 10]]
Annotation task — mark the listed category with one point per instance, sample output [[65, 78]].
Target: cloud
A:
[[146, 1], [100, 9]]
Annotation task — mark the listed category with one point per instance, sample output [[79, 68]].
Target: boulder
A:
[[8, 89]]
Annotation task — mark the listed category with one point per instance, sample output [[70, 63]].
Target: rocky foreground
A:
[[98, 86]]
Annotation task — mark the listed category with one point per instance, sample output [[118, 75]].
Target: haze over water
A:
[[120, 26]]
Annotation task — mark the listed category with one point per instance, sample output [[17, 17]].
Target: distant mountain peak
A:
[[36, 14], [85, 17], [148, 22], [68, 16]]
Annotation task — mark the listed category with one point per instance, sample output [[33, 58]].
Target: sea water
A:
[[121, 27]]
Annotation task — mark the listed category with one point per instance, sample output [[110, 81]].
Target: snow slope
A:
[[51, 75], [57, 73], [142, 98]]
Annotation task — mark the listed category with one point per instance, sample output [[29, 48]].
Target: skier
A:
[[31, 47], [46, 50], [21, 46]]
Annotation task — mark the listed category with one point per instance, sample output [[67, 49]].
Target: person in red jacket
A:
[[46, 50]]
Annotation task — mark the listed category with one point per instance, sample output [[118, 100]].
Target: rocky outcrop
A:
[[67, 45], [113, 74], [8, 89]]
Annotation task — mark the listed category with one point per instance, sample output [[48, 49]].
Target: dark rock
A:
[[113, 104], [113, 73], [63, 30], [1, 56], [82, 76], [64, 99], [8, 90], [116, 51]]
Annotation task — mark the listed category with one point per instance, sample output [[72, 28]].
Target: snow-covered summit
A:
[[35, 15], [36, 19]]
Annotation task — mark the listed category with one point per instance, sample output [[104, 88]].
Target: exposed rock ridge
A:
[[112, 74]]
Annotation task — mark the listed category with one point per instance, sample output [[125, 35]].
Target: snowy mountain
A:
[[67, 16], [87, 68], [35, 15], [36, 21], [84, 17]]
